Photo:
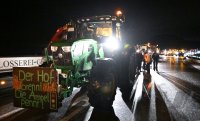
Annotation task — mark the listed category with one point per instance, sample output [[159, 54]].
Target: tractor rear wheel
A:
[[102, 86]]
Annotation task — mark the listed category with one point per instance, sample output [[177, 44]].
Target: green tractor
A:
[[83, 53]]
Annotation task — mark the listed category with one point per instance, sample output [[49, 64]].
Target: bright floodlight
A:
[[111, 43], [54, 48]]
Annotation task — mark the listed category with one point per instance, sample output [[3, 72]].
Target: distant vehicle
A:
[[162, 58]]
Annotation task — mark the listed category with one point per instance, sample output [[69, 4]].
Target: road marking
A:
[[10, 113], [79, 108]]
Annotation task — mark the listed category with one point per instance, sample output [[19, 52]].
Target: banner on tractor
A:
[[7, 63], [35, 87]]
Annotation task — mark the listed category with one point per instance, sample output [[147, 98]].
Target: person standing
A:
[[147, 58], [132, 64], [139, 59], [155, 58], [143, 60]]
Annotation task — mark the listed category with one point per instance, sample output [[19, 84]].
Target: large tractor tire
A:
[[102, 86]]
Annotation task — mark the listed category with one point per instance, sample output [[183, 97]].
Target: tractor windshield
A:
[[103, 29], [95, 29]]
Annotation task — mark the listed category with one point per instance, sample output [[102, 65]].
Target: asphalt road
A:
[[170, 94]]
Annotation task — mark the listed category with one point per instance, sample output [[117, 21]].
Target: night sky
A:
[[27, 26]]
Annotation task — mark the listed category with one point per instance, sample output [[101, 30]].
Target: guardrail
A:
[[193, 59]]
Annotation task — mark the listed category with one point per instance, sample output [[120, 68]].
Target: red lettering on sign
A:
[[16, 83], [47, 87]]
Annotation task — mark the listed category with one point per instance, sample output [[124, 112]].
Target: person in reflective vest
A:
[[147, 58]]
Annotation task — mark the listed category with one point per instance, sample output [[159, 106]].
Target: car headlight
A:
[[54, 48], [66, 48]]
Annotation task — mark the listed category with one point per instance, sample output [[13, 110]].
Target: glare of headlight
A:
[[137, 50], [66, 48], [118, 24], [107, 18], [157, 50], [101, 18], [165, 52], [3, 82], [60, 55], [111, 43], [148, 44], [54, 48]]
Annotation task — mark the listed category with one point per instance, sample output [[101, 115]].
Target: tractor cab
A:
[[105, 30], [83, 46]]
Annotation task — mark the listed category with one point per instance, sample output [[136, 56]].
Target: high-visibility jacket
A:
[[147, 58]]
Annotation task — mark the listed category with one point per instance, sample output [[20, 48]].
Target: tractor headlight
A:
[[66, 48], [60, 55], [54, 48], [111, 43]]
